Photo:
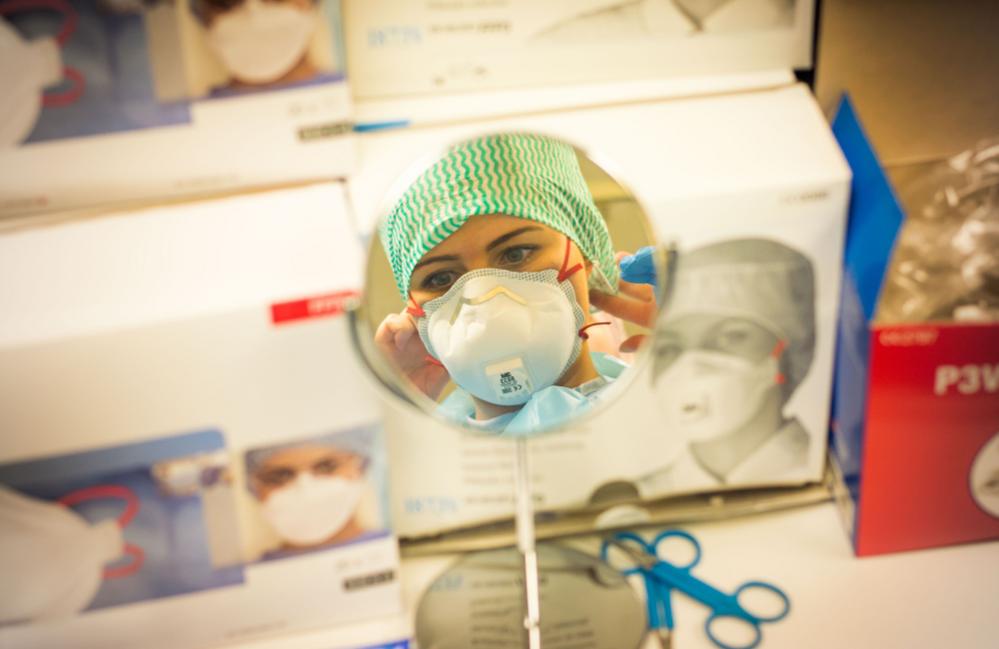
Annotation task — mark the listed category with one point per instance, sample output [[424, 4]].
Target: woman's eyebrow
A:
[[430, 260], [509, 235]]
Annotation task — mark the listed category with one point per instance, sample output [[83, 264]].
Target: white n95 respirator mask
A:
[[52, 559], [705, 395], [26, 68], [310, 510], [504, 335], [259, 42]]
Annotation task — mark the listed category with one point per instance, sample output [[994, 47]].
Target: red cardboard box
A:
[[915, 430]]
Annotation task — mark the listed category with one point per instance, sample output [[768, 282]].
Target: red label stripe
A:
[[319, 306]]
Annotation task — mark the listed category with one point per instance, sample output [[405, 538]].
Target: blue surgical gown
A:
[[546, 409]]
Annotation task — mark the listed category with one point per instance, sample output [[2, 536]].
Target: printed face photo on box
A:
[[265, 44], [312, 494], [736, 341]]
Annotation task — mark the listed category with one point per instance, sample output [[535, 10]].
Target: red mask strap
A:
[[131, 509], [582, 331], [138, 558], [414, 309], [564, 272], [776, 353], [105, 491]]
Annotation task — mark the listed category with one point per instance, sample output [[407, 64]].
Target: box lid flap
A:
[[443, 51]]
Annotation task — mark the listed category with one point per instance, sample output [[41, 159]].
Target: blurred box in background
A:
[[922, 73], [914, 403], [433, 62], [188, 457], [114, 101], [915, 431]]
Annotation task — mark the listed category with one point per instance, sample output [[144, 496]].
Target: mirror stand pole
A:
[[525, 544]]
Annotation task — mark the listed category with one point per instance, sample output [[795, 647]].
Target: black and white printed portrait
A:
[[670, 18], [736, 340]]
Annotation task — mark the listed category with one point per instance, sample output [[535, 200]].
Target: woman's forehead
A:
[[695, 325], [303, 456]]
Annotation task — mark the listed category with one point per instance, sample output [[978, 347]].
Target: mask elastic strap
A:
[[70, 95], [131, 509], [776, 353], [563, 272], [415, 309], [582, 331]]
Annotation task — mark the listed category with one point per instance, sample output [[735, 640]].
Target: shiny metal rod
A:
[[525, 544]]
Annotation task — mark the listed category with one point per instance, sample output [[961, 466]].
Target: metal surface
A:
[[479, 602]]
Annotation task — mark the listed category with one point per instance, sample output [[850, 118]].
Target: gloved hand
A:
[[640, 268]]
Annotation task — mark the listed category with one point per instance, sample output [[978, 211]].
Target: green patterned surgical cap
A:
[[528, 176]]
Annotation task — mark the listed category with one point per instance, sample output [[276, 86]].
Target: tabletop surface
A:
[[944, 597]]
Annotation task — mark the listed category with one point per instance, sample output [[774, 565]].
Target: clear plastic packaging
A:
[[946, 261]]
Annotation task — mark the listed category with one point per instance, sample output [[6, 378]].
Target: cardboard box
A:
[[397, 48], [916, 406], [173, 412], [169, 97], [755, 165]]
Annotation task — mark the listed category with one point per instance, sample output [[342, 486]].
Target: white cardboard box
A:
[[754, 164], [133, 103], [158, 359], [399, 48]]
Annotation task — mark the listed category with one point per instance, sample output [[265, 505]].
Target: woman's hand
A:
[[398, 339], [636, 302]]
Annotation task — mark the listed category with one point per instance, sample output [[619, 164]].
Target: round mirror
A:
[[509, 290], [494, 296]]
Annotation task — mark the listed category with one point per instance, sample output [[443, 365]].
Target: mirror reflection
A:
[[495, 287]]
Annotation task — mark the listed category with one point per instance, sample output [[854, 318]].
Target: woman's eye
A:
[[732, 338], [440, 279], [516, 254], [325, 467], [277, 477]]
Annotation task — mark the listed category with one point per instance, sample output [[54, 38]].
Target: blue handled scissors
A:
[[661, 576]]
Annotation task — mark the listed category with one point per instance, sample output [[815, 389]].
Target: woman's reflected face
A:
[[495, 241], [728, 335]]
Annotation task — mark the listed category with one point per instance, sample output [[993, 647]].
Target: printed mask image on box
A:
[[314, 494], [67, 65], [500, 258], [670, 18], [116, 526], [984, 477], [238, 46], [737, 341]]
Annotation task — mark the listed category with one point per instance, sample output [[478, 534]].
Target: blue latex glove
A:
[[640, 268]]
